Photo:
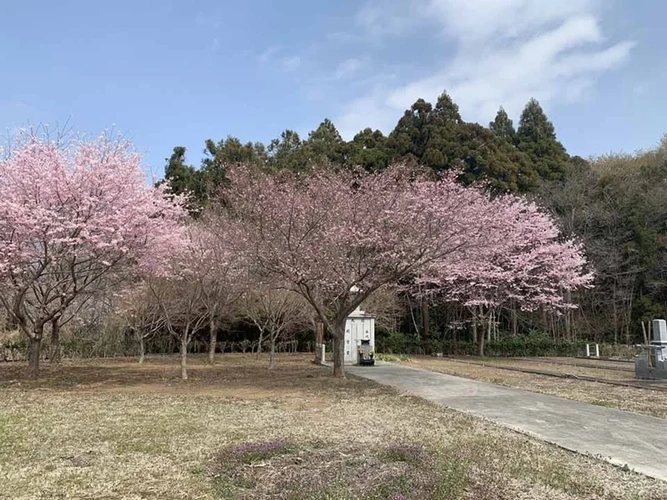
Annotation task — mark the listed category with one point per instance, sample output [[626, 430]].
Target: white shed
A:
[[358, 326]]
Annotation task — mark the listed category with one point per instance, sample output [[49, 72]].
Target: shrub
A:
[[392, 358], [397, 343], [534, 344]]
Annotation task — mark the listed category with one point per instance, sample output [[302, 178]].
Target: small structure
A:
[[358, 326], [320, 347], [596, 348], [651, 363]]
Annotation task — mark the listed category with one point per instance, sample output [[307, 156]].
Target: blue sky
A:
[[190, 70]]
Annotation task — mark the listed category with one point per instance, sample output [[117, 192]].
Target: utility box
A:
[[659, 332], [651, 363], [358, 326]]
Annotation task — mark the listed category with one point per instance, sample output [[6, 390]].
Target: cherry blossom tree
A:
[[178, 289], [275, 311], [527, 265], [179, 298], [200, 281], [220, 262], [337, 237], [71, 215], [137, 310]]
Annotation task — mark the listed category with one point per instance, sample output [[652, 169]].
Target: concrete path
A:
[[622, 438]]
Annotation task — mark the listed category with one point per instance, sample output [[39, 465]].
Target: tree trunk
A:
[[260, 340], [142, 349], [480, 345], [474, 329], [213, 341], [482, 335], [339, 348], [55, 340], [515, 329], [425, 326], [615, 315], [272, 361], [489, 326], [319, 340], [35, 348], [184, 357], [568, 317]]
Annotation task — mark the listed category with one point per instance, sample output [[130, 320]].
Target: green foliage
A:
[[288, 153], [535, 344], [326, 146], [395, 343], [536, 136], [369, 150], [437, 138], [392, 358], [485, 157], [185, 179], [230, 151], [617, 205], [433, 136], [503, 127]]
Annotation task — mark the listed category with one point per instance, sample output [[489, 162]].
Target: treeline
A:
[[435, 136], [613, 203]]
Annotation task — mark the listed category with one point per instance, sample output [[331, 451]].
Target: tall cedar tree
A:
[[536, 137], [503, 126]]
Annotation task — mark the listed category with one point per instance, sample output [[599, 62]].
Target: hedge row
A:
[[536, 344]]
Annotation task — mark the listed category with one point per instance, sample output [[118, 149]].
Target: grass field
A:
[[624, 398], [112, 429]]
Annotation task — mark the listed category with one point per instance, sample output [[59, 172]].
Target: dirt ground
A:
[[112, 429], [624, 398]]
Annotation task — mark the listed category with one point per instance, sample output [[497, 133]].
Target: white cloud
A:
[[505, 52], [291, 63], [268, 54], [275, 55], [348, 68], [475, 21], [388, 17], [370, 110]]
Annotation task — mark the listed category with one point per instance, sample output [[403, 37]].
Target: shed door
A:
[[350, 351]]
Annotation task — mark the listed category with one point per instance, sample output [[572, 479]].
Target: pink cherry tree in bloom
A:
[[135, 309], [200, 281], [526, 264], [275, 310], [221, 262], [337, 237], [72, 215]]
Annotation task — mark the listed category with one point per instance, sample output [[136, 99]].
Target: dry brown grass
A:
[[624, 398], [619, 373], [112, 429]]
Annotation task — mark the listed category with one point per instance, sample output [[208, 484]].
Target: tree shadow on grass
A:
[[230, 373]]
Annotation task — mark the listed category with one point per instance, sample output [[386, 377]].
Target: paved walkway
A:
[[622, 438]]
